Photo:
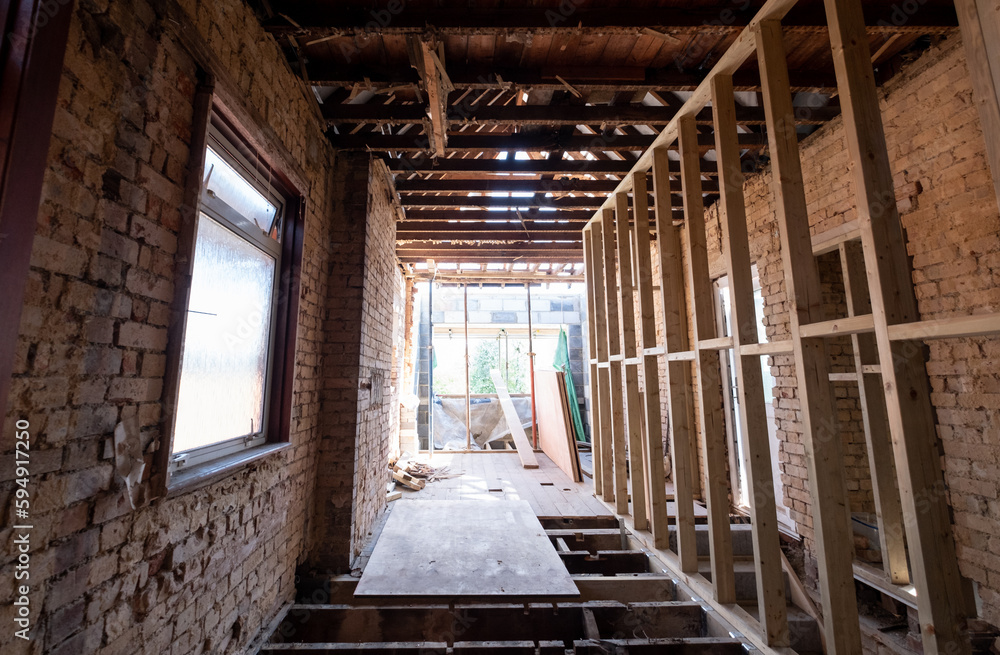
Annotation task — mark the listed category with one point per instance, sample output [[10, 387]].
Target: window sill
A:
[[202, 475]]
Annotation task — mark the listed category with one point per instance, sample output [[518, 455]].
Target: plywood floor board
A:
[[464, 548]]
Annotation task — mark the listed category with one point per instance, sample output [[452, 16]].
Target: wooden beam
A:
[[980, 24], [423, 164], [592, 332], [565, 229], [542, 115], [977, 325], [437, 97], [741, 49], [823, 445], [750, 383], [607, 225], [838, 327], [605, 453], [679, 400], [943, 596], [633, 411], [533, 217], [555, 247], [591, 78], [538, 200], [524, 451], [480, 211], [885, 489], [523, 142], [404, 187], [320, 21], [653, 425], [484, 234], [708, 391]]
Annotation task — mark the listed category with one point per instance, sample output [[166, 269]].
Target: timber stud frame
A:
[[883, 322]]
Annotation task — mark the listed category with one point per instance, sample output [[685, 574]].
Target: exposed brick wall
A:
[[201, 572], [949, 211], [378, 409], [360, 407]]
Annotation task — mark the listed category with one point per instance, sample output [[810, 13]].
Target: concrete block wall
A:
[[201, 572]]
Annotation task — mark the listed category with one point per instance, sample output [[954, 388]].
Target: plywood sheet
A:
[[464, 548], [524, 450], [555, 429]]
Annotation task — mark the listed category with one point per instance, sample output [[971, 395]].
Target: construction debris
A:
[[415, 475]]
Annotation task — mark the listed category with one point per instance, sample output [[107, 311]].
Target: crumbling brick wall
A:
[[202, 571]]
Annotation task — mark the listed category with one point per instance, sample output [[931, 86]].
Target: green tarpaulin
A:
[[561, 363]]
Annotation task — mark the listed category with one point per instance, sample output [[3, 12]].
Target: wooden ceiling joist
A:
[[450, 202], [445, 214], [556, 187], [515, 186], [421, 164], [330, 20], [405, 236], [452, 213], [522, 115], [569, 230], [585, 78]]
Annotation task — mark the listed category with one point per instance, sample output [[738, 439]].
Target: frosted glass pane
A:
[[225, 348], [230, 187]]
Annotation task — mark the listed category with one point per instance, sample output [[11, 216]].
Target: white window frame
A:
[[245, 228]]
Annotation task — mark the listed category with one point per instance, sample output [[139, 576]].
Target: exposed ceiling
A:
[[507, 123]]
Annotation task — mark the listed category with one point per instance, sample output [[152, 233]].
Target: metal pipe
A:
[[531, 371], [468, 395], [430, 370]]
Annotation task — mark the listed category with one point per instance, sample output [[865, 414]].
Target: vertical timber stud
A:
[[980, 23], [943, 601], [617, 396], [650, 370], [675, 333], [880, 458], [707, 367], [631, 365], [595, 414], [750, 385], [824, 450], [603, 370]]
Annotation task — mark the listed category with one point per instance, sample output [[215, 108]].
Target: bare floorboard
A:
[[466, 548], [500, 476]]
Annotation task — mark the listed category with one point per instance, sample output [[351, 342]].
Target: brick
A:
[[138, 335]]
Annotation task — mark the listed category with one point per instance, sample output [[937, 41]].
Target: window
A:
[[731, 399], [238, 323]]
